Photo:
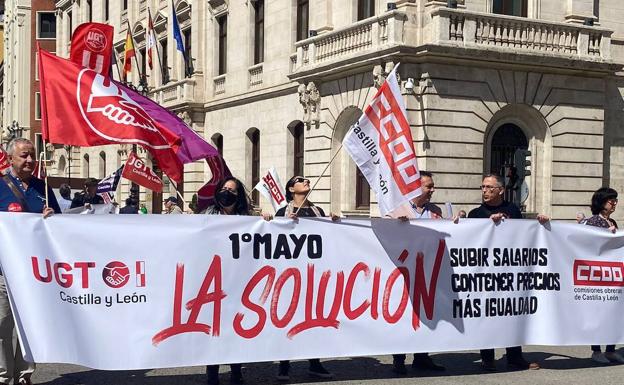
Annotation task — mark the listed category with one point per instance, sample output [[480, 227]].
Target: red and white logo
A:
[[111, 114], [116, 274], [15, 208], [598, 273], [95, 40]]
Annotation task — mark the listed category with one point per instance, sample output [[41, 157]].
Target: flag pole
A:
[[319, 178], [44, 119], [136, 59], [44, 155], [163, 75], [178, 192]]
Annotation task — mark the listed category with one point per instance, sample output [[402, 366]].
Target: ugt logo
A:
[[115, 274]]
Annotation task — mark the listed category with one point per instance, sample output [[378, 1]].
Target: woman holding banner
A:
[[297, 191], [230, 199], [603, 204]]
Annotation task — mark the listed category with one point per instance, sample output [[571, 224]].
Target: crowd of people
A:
[[20, 191]]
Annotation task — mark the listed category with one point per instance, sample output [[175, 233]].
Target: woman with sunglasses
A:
[[230, 199], [297, 188], [603, 204]]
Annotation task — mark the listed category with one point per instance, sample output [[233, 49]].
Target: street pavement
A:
[[560, 365]]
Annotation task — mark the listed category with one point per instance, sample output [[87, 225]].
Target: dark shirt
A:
[[82, 199], [304, 212], [598, 221], [484, 211], [130, 209], [34, 195]]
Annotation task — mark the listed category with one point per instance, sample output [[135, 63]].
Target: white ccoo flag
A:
[[272, 189], [381, 145]]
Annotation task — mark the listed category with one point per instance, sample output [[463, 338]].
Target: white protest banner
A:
[[223, 289], [381, 145], [272, 189]]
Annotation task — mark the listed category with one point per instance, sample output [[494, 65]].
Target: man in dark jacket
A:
[[88, 195]]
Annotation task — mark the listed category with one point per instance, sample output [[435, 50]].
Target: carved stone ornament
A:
[[186, 118], [381, 73], [123, 149], [217, 7], [310, 99]]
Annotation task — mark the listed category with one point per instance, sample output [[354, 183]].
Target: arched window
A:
[[85, 166], [217, 141], [254, 142], [102, 165], [60, 168], [298, 133], [506, 140]]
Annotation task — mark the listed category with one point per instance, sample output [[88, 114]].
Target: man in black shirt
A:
[[88, 196], [495, 207]]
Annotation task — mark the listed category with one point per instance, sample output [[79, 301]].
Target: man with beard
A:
[[423, 209]]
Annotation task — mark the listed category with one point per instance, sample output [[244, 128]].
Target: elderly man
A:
[[20, 191], [495, 207], [171, 206], [88, 196]]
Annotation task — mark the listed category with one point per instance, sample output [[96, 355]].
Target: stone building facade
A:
[[277, 83]]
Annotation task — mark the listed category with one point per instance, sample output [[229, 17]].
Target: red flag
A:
[[138, 172], [91, 47], [83, 108], [4, 161], [128, 55], [207, 192], [39, 171]]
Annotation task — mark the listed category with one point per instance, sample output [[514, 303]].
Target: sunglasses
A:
[[302, 180]]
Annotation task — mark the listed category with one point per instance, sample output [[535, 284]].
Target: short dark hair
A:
[[65, 191], [600, 197], [172, 199], [89, 182], [242, 205], [499, 179], [426, 173]]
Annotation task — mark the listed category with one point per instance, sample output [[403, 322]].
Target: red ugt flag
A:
[[91, 47], [137, 171], [83, 108]]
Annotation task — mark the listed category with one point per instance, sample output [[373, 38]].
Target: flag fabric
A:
[[82, 108], [151, 41], [381, 145], [107, 197], [109, 184], [128, 55], [4, 162], [39, 169], [177, 35], [137, 171], [220, 171], [91, 47], [272, 189]]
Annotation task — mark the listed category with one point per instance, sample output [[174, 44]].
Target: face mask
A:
[[226, 198]]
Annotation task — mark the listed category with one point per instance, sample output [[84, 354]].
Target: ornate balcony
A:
[[454, 33], [459, 28], [176, 93]]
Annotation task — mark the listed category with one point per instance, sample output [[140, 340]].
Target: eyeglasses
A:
[[613, 201], [229, 189], [301, 180], [489, 188]]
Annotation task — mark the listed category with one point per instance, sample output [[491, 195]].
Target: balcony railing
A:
[[219, 84], [364, 36], [518, 34], [255, 75], [179, 91]]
